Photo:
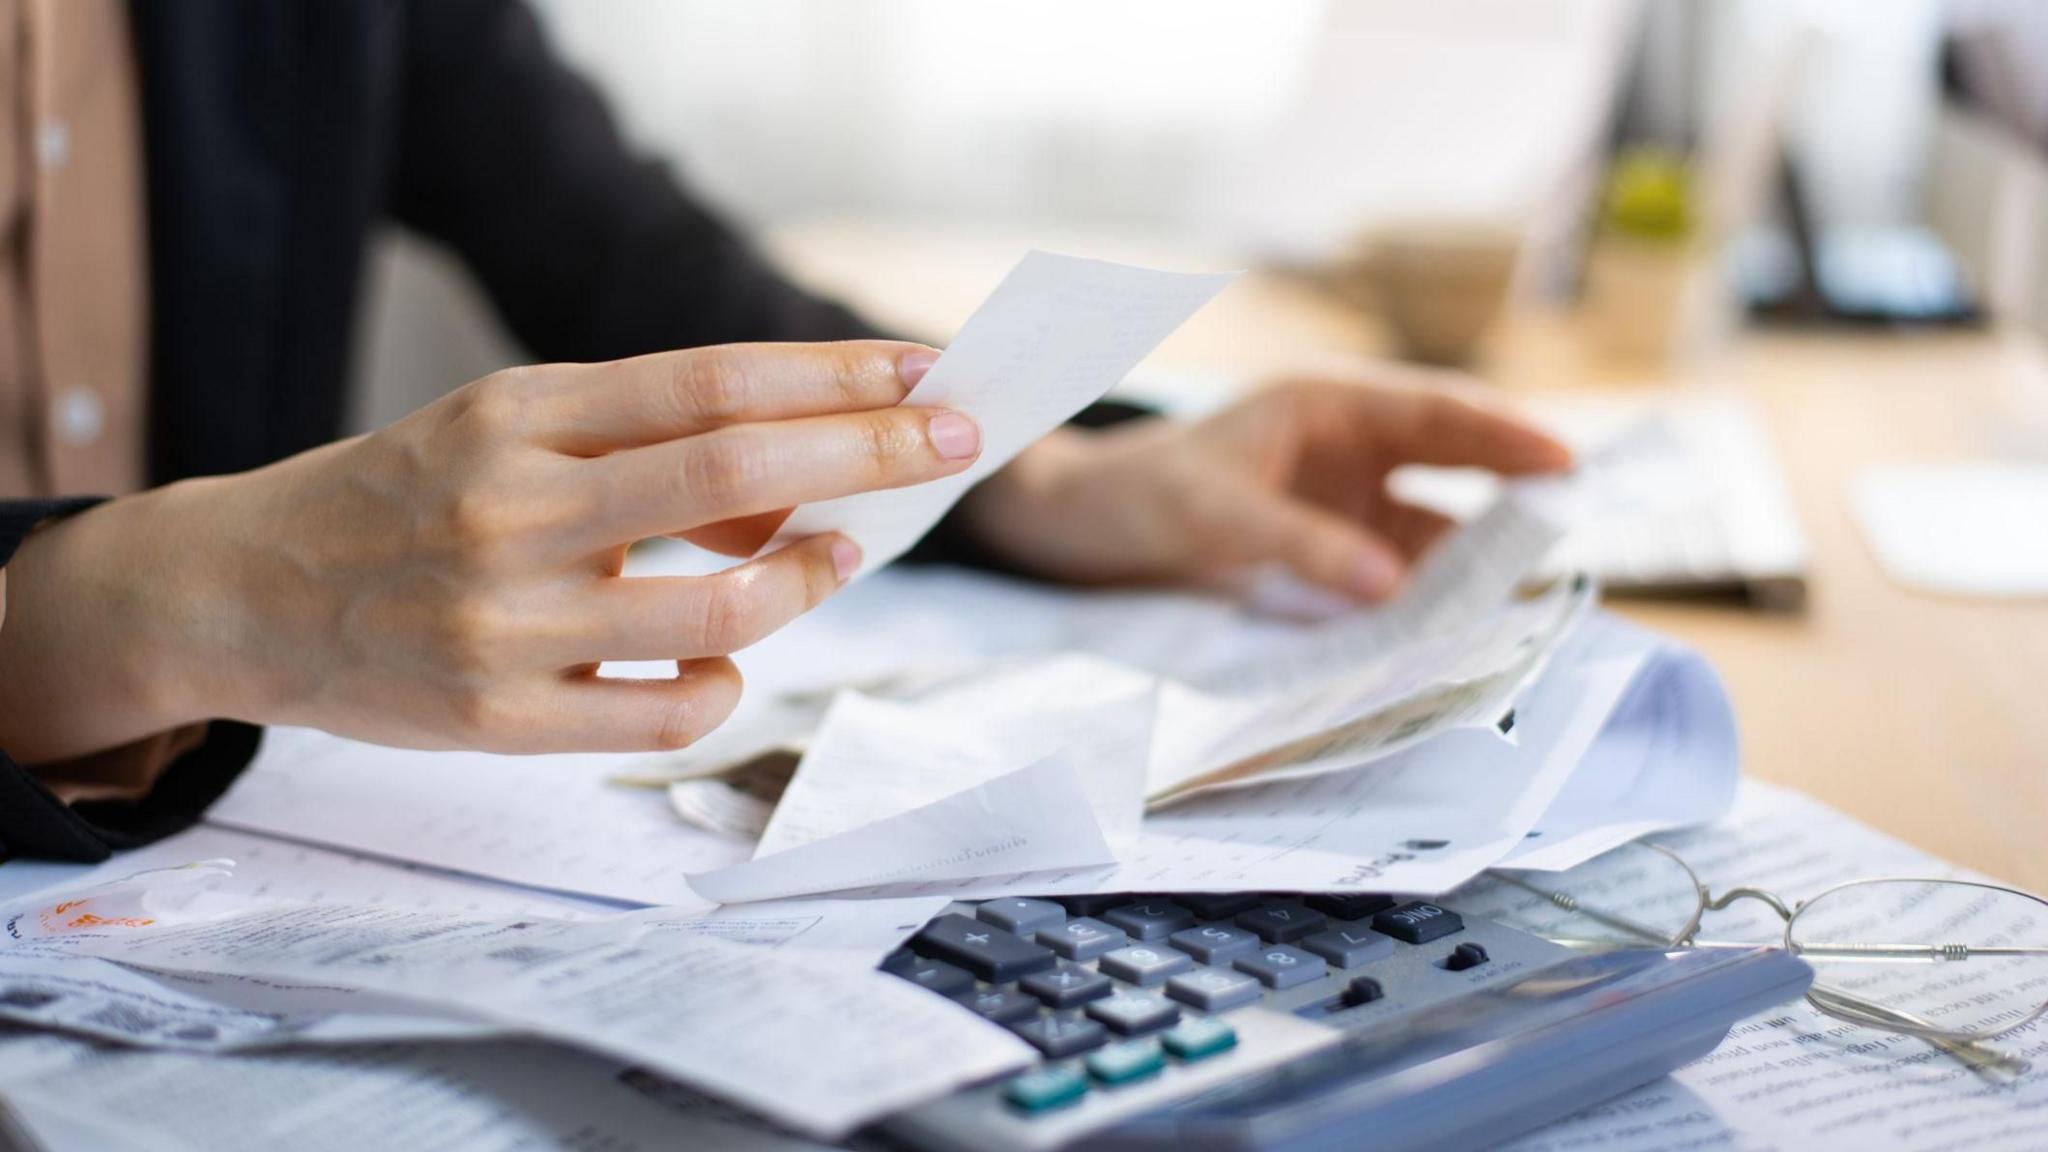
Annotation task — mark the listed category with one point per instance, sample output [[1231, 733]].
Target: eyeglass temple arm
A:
[[1911, 951], [1855, 1009], [1570, 903]]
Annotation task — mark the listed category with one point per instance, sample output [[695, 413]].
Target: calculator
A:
[[1243, 1020]]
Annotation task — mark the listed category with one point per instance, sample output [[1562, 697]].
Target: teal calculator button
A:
[[1127, 1061], [1200, 1038], [1047, 1088]]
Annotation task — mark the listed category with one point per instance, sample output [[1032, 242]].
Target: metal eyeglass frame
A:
[[1846, 1006]]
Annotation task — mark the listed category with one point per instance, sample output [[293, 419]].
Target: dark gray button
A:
[[1131, 1011], [898, 962], [1082, 938], [1213, 989], [1021, 914], [1059, 1036], [1363, 990], [936, 975], [1418, 922], [1349, 905], [1218, 905], [1214, 943], [1067, 986], [1145, 964], [1465, 956], [1152, 920], [1282, 923], [1002, 1005], [1091, 905], [1347, 945], [983, 949], [1279, 966]]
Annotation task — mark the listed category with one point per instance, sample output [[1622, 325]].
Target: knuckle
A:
[[471, 635], [721, 469], [711, 389], [495, 406], [729, 615], [678, 723], [892, 439]]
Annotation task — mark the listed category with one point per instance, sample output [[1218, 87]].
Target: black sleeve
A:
[[589, 251], [35, 823]]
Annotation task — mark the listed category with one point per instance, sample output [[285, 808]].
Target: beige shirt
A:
[[73, 314]]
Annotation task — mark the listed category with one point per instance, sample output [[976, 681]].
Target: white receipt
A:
[[545, 821], [810, 1040], [1053, 337], [1790, 1079], [72, 1096], [1032, 819]]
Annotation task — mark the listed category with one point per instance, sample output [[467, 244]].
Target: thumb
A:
[[1320, 547]]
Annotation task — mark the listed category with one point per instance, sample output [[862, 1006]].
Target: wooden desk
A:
[[1922, 716]]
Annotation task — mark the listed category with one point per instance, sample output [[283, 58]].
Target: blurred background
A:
[[1669, 165]]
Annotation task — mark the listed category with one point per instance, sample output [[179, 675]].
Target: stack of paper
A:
[[958, 735]]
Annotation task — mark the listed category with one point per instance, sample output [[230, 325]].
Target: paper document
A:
[[809, 1040], [545, 821], [71, 1096], [1666, 757], [1033, 819], [1791, 1079], [1053, 337]]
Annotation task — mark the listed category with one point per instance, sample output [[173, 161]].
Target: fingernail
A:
[[1374, 574], [955, 436], [912, 365], [845, 558]]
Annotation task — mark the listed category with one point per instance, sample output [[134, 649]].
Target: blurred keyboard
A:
[[1682, 496], [1138, 1003]]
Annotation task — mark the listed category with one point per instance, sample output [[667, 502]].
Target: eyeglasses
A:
[[1869, 942]]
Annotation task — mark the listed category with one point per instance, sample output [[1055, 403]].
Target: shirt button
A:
[[80, 416], [53, 143]]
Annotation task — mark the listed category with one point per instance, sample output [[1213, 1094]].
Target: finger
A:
[[588, 409], [1411, 530], [587, 713], [741, 537], [750, 469], [1425, 426], [1320, 547], [688, 617]]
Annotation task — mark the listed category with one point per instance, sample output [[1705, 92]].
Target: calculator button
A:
[[1214, 943], [1061, 1036], [1091, 905], [1002, 1005], [1131, 1011], [1349, 945], [1465, 957], [1145, 964], [1213, 989], [1152, 920], [1021, 914], [1218, 905], [983, 949], [1363, 990], [1082, 938], [1042, 1089], [938, 976], [1418, 922], [900, 961], [1282, 923], [1200, 1039], [1126, 1060], [1068, 986], [1349, 905], [1280, 966]]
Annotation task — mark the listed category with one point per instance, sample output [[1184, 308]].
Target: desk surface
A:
[[1913, 713]]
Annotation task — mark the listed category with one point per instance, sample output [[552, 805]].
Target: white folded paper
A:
[[1053, 337]]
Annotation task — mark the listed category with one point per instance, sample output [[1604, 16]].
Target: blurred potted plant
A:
[[1649, 277]]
